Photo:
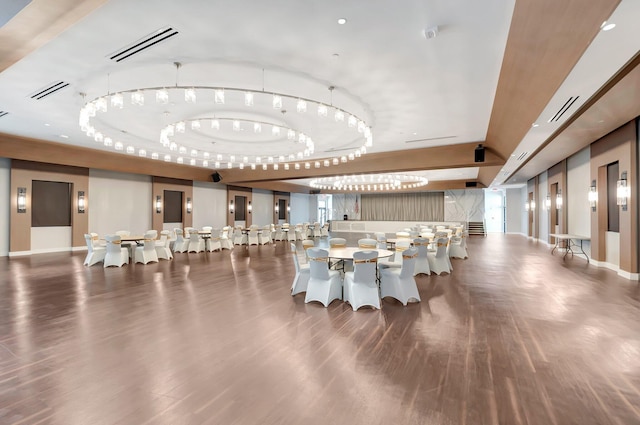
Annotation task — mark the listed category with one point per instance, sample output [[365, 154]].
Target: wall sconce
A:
[[22, 199], [623, 191], [547, 202], [250, 208], [158, 204], [593, 195], [81, 204], [533, 205], [559, 200], [277, 207], [231, 206], [526, 206], [288, 207], [189, 206]]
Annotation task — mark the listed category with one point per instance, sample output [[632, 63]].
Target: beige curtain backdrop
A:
[[422, 206]]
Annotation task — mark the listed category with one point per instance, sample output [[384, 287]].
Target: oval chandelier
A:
[[229, 127], [370, 182]]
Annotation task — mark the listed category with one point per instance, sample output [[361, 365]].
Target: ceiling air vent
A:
[[568, 104], [143, 44], [3, 113], [433, 138], [522, 155], [50, 89]]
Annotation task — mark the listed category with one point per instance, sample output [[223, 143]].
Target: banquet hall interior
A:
[[188, 188]]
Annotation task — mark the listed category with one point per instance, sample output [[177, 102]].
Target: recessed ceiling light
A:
[[342, 21], [47, 124], [607, 26], [64, 136], [415, 134]]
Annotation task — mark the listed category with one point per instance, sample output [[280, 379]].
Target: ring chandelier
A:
[[300, 149], [370, 182]]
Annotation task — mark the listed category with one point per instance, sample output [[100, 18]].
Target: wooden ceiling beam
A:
[[37, 24], [433, 158]]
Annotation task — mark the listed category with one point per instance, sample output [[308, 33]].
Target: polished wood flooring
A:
[[513, 336]]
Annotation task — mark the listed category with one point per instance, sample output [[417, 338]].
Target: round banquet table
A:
[[347, 253]]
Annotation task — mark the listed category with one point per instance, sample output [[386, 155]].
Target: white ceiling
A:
[[414, 92]]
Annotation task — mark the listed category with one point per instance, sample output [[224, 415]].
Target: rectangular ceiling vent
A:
[[3, 113], [50, 89], [522, 155], [143, 44], [433, 138], [567, 105]]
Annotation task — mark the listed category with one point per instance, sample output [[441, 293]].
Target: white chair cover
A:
[[147, 252], [324, 230], [324, 284], [367, 243], [381, 240], [301, 279], [317, 232], [225, 239], [422, 260], [239, 238], [400, 283], [252, 238], [116, 254], [214, 243], [196, 242], [458, 249], [439, 261], [95, 254], [181, 243], [360, 286], [264, 237], [162, 246], [278, 234]]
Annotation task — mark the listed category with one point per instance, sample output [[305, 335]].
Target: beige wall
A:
[[619, 145], [22, 175]]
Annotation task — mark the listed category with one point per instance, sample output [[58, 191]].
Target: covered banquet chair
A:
[[196, 242], [181, 244], [301, 279], [400, 283], [324, 285], [439, 261], [116, 255], [422, 260], [147, 252], [214, 243], [360, 286], [458, 249], [162, 246], [95, 254], [225, 238]]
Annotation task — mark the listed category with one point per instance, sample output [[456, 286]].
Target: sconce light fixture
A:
[[81, 204], [22, 199], [593, 195], [288, 207], [231, 206], [189, 206], [526, 206], [277, 207], [249, 208], [623, 191], [547, 202], [533, 205], [158, 204], [559, 200]]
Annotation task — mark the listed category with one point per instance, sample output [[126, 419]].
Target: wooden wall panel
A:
[[620, 145], [160, 184], [22, 174]]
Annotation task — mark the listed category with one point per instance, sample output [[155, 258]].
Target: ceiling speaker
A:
[[216, 177], [479, 153], [470, 184]]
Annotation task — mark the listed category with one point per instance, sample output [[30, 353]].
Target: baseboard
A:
[[615, 268], [47, 251]]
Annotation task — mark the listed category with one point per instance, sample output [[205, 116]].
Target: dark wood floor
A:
[[513, 336]]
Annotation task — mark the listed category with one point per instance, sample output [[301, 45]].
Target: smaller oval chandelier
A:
[[370, 182]]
